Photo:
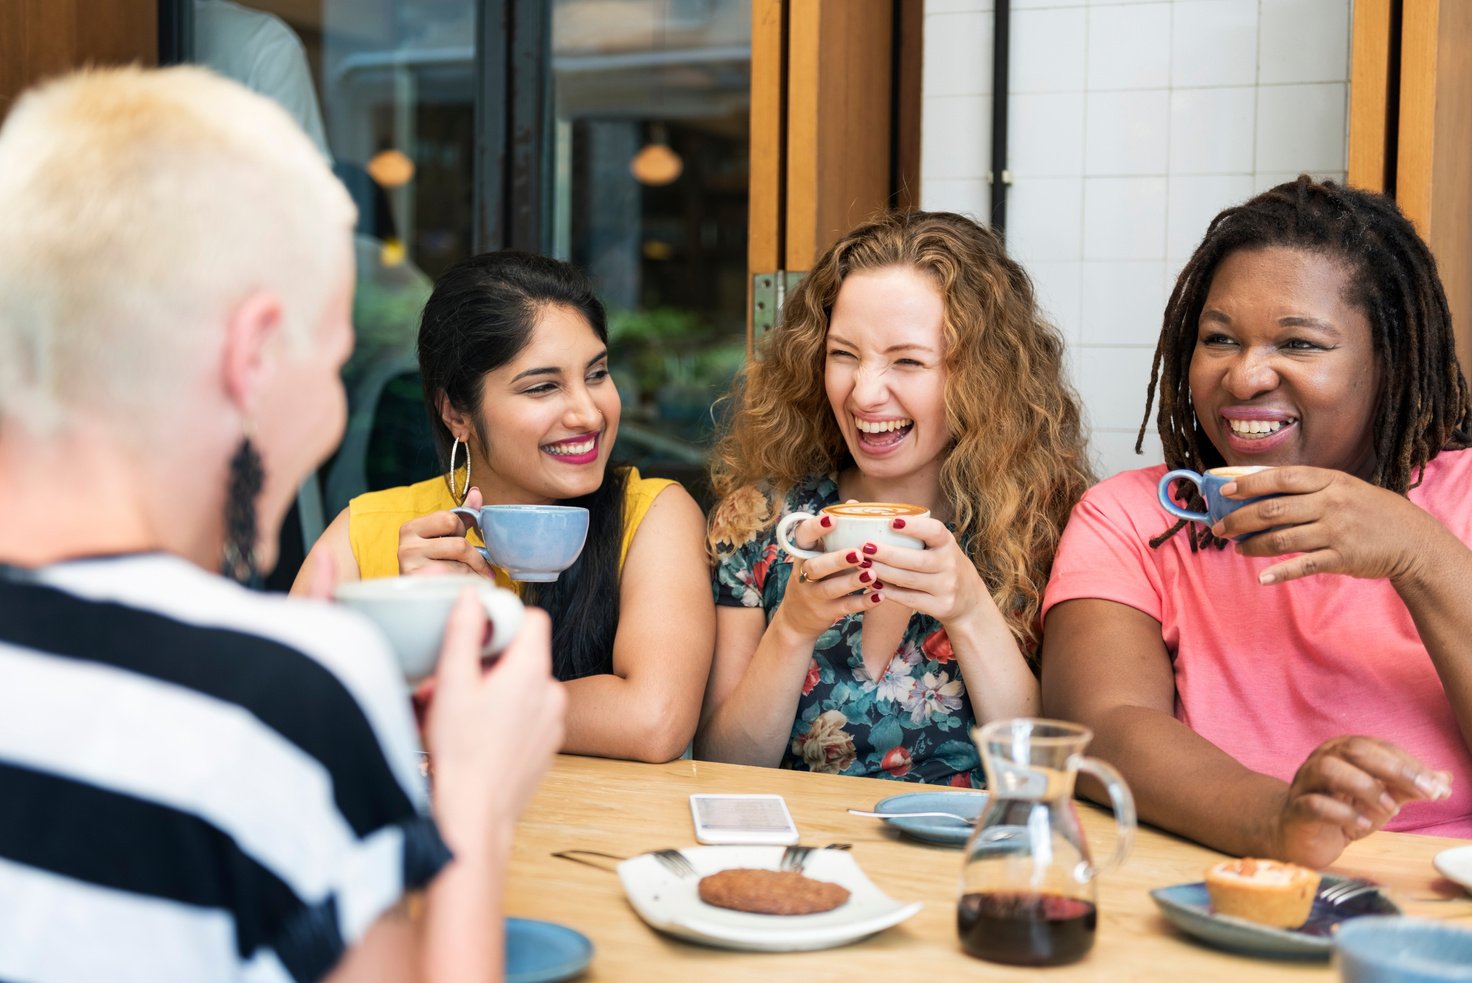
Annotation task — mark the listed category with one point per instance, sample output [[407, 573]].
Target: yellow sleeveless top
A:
[[374, 519]]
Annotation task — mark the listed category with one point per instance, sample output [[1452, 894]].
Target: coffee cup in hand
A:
[[852, 525], [412, 612], [1210, 484], [532, 543]]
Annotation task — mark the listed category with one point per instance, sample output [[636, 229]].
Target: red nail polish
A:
[[870, 548], [866, 563], [852, 557], [826, 522], [865, 577], [878, 585], [875, 597], [899, 523]]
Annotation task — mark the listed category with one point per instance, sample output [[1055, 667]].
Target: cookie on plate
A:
[[1269, 892], [770, 892]]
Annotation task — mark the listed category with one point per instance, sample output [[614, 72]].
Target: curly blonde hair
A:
[[1017, 461]]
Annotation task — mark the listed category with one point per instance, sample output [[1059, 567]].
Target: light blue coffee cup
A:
[[532, 543], [1210, 484]]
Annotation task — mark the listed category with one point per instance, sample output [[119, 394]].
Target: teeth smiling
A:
[[570, 450], [883, 426], [1255, 427]]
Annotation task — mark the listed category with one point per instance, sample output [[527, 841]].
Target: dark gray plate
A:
[[1188, 907]]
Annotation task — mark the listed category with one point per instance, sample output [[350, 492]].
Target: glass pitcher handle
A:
[[1124, 809]]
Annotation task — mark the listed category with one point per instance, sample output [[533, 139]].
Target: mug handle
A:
[[1167, 503], [784, 533], [1124, 810], [504, 611], [474, 518]]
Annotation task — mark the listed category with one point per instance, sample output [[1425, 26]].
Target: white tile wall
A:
[[1214, 43], [1045, 134], [1131, 124], [1129, 46], [1121, 302], [1302, 127], [1304, 41], [1124, 218], [1213, 131], [1127, 132]]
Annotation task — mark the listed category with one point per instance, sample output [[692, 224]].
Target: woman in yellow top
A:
[[513, 351]]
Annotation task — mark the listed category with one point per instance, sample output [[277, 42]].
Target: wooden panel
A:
[[766, 198], [41, 38], [1451, 168], [908, 106], [838, 129], [1370, 139], [1433, 182]]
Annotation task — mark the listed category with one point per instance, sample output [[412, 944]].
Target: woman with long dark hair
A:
[[513, 351]]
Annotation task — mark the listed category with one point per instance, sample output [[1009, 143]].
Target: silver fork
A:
[[674, 861], [1347, 890], [796, 857]]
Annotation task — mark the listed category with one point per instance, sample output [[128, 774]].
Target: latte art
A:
[[874, 510]]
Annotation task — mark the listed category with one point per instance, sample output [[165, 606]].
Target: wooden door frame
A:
[[1410, 111], [835, 127]]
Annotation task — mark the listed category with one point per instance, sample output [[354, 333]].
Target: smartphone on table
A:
[[748, 819]]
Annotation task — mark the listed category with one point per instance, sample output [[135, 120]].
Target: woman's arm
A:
[[332, 548], [647, 708], [760, 666], [942, 582], [1105, 666], [1340, 524]]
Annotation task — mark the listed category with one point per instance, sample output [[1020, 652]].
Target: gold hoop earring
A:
[[454, 452]]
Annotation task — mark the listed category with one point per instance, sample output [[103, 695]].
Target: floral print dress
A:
[[913, 723]]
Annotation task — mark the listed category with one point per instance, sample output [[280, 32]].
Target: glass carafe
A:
[[1027, 887]]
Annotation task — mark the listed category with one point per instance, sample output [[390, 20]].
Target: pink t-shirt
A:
[[1267, 673]]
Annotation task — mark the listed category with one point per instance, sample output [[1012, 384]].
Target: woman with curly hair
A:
[[912, 365], [1291, 692]]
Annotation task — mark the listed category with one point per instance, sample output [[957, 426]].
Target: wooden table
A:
[[626, 808]]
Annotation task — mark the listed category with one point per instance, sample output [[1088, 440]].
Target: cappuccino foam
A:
[[874, 510]]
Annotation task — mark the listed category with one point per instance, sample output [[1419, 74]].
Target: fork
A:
[[674, 861], [796, 857], [1348, 889]]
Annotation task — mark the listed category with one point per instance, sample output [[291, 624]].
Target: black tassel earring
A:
[[246, 477]]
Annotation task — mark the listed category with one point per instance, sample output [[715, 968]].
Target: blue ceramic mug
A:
[[1218, 506], [530, 542]]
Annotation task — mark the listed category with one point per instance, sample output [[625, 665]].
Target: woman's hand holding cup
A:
[[939, 580], [1337, 522], [436, 543]]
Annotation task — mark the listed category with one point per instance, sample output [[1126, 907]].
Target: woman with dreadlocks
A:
[[1231, 682]]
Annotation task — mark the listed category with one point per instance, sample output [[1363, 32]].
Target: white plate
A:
[[1456, 865], [672, 904]]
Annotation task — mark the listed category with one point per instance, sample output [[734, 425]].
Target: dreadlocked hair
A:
[[1424, 407], [1016, 462]]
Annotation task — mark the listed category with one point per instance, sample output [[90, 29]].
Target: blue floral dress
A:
[[913, 723]]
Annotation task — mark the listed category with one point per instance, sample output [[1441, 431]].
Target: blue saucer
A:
[[1188, 907], [542, 952], [934, 829]]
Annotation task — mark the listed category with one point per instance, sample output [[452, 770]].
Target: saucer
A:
[[934, 829], [544, 952], [1456, 865], [1188, 907]]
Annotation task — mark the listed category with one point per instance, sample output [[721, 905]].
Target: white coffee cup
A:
[[412, 612], [854, 524]]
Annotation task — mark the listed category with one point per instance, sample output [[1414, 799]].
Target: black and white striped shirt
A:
[[196, 782]]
